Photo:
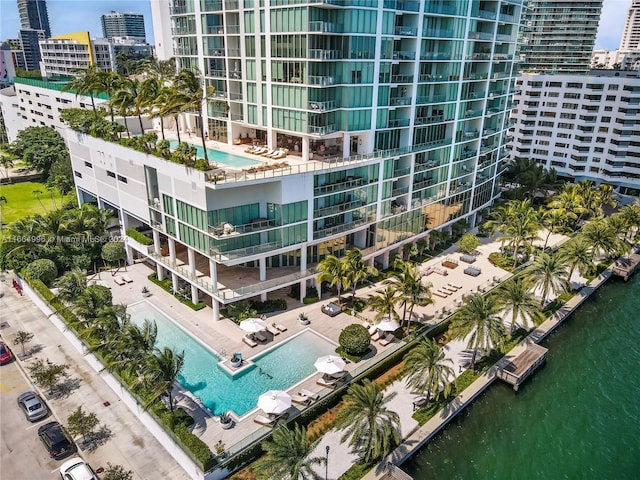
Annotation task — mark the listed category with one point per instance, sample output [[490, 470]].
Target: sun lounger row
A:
[[102, 283], [388, 339], [265, 151], [331, 381]]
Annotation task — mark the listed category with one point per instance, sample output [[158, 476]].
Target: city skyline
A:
[[66, 16], [82, 16]]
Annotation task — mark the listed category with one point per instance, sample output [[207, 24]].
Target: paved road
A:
[[22, 453]]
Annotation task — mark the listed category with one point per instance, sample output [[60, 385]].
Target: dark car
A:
[[56, 440], [32, 406], [5, 354]]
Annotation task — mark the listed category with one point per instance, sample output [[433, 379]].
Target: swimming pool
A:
[[287, 363], [219, 156]]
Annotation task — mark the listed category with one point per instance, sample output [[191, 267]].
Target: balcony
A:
[[233, 29], [399, 172], [480, 36], [185, 51], [322, 27], [427, 120], [214, 30], [321, 80], [422, 184], [396, 192], [397, 123], [183, 30], [323, 106], [406, 31], [336, 209], [401, 78], [211, 5], [486, 14], [350, 182], [426, 78], [320, 130], [319, 54], [335, 229], [244, 252], [399, 101], [229, 230], [439, 56], [438, 32], [404, 55]]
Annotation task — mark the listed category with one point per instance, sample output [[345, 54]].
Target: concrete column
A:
[[156, 242], [215, 306], [191, 255], [213, 273], [305, 149], [303, 259], [194, 294], [159, 271], [303, 289], [172, 250], [263, 297], [385, 259], [263, 269], [174, 281], [319, 290]]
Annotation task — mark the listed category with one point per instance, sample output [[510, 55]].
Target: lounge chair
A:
[[309, 394], [119, 280], [280, 154], [327, 381], [280, 327], [261, 150], [419, 402], [300, 399], [126, 278], [273, 330], [387, 340], [439, 294], [375, 336], [453, 285], [249, 341], [102, 283], [268, 153], [262, 420], [259, 336]]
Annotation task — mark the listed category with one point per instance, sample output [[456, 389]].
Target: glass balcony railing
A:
[[397, 123], [404, 55], [185, 51], [399, 172], [480, 36], [406, 31], [338, 186], [440, 56], [396, 192], [319, 54], [323, 106], [321, 80], [401, 78], [186, 30], [214, 30], [336, 209], [229, 230], [431, 119], [323, 27], [320, 130], [438, 33], [400, 101], [333, 230]]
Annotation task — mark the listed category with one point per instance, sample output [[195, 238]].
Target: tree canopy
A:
[[39, 148]]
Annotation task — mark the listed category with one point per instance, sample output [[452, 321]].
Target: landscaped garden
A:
[[28, 198]]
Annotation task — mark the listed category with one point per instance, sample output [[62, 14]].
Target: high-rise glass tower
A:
[[631, 34], [558, 36], [34, 16], [116, 24]]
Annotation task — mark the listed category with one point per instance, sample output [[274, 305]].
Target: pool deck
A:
[[225, 337]]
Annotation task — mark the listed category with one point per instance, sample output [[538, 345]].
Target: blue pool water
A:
[[288, 363], [219, 156]]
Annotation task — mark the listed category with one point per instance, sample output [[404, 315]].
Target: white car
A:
[[77, 469]]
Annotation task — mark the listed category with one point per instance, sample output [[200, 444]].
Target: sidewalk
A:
[[129, 443]]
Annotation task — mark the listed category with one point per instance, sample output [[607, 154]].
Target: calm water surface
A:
[[577, 418]]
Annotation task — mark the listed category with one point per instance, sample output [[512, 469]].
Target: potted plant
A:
[[220, 448], [226, 421], [303, 319], [145, 292]]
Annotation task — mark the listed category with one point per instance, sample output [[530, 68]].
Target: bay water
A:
[[577, 417]]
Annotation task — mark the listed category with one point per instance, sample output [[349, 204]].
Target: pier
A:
[[514, 371], [626, 266]]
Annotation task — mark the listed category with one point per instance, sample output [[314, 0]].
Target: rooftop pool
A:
[[287, 363], [218, 156]]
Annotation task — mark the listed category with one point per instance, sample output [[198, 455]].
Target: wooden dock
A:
[[626, 266], [515, 371]]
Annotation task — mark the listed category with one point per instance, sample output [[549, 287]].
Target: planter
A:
[[146, 294]]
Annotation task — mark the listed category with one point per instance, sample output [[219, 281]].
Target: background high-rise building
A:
[[30, 42], [558, 36], [116, 24], [631, 33], [63, 54], [33, 15]]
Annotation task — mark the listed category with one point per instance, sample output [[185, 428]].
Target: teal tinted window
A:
[[240, 215], [191, 215], [194, 238], [167, 203]]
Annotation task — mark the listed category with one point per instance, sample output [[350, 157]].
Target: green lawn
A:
[[21, 202]]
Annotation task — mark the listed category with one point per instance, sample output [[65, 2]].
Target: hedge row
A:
[[167, 286], [139, 237]]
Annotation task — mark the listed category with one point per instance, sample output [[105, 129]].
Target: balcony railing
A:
[[406, 31], [480, 36], [333, 230], [322, 27], [404, 55], [235, 230], [399, 101], [399, 172], [185, 51], [321, 80], [319, 131], [431, 119], [186, 30], [215, 30], [323, 106], [319, 54], [335, 209], [401, 122], [439, 56], [396, 192], [338, 186]]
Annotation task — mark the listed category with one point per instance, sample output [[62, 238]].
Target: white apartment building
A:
[[33, 102], [63, 54], [618, 59], [584, 126], [396, 113]]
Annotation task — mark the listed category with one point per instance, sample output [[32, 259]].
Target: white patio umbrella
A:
[[387, 325], [253, 325], [274, 401], [329, 364]]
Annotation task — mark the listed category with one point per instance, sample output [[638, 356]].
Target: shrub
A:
[[202, 165], [501, 261], [355, 339], [357, 471], [139, 237], [42, 269], [268, 306], [309, 299]]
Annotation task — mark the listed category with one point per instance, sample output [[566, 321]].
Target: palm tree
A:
[[168, 107], [384, 303], [549, 273], [521, 225], [129, 99], [109, 82], [190, 94], [373, 431], [478, 320], [631, 214], [552, 221], [427, 369], [407, 282], [332, 270], [577, 254], [604, 195], [288, 456], [71, 284], [356, 269], [162, 70], [569, 203], [160, 374], [602, 238], [516, 296], [85, 82], [91, 301]]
